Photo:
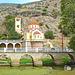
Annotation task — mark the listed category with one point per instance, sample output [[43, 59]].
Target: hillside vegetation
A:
[[10, 27]]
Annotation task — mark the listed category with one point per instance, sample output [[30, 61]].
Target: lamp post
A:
[[62, 38]]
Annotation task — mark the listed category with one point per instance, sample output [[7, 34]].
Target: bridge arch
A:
[[27, 56], [4, 56], [48, 56], [71, 57], [2, 45]]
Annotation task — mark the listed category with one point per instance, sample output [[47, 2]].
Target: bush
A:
[[55, 5], [49, 34], [65, 59], [24, 60], [44, 10], [39, 8], [19, 6], [9, 59], [56, 13], [41, 23], [46, 60], [1, 35], [46, 6]]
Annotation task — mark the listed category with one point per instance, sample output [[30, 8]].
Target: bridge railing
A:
[[33, 50]]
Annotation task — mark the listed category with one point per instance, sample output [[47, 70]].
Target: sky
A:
[[17, 1]]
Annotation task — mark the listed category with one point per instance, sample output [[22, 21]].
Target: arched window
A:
[[17, 19], [17, 26], [17, 45], [2, 45], [10, 45]]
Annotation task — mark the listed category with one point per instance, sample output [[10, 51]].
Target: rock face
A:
[[50, 19]]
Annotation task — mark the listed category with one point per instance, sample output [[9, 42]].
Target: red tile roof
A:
[[33, 23]]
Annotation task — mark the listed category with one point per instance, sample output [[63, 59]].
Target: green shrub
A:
[[44, 10], [41, 23], [65, 59], [55, 5], [46, 6], [9, 59], [39, 8], [46, 60], [24, 60], [49, 34], [1, 35], [56, 13], [19, 6]]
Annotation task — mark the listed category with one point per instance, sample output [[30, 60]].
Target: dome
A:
[[33, 23]]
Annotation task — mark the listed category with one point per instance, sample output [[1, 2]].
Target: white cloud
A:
[[33, 0]]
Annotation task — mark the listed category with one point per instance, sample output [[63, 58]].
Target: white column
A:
[[26, 46], [6, 45], [4, 49], [13, 45]]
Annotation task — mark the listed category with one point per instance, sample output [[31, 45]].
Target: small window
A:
[[32, 26], [35, 36], [38, 36], [17, 26], [17, 19]]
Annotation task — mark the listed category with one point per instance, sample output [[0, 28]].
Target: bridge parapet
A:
[[32, 50]]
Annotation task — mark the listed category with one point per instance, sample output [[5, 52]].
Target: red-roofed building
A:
[[34, 32]]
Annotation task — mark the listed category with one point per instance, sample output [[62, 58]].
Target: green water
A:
[[34, 71]]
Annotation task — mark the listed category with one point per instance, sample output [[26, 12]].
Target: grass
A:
[[9, 59], [24, 60], [46, 60], [23, 71], [33, 71], [65, 59]]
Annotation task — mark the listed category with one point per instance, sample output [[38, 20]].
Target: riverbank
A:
[[33, 71]]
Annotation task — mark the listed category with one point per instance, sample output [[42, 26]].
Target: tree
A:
[[68, 15], [41, 23], [49, 34], [72, 43], [1, 35], [19, 6], [10, 27]]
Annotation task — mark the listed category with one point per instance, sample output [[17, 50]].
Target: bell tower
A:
[[18, 24]]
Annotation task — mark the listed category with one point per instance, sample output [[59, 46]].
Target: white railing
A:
[[33, 50]]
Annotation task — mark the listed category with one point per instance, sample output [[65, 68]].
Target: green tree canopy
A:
[[72, 43], [68, 16], [10, 27], [49, 34]]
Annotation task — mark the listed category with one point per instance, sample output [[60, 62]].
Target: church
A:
[[33, 35]]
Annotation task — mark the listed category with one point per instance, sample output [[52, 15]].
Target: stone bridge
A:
[[37, 56]]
